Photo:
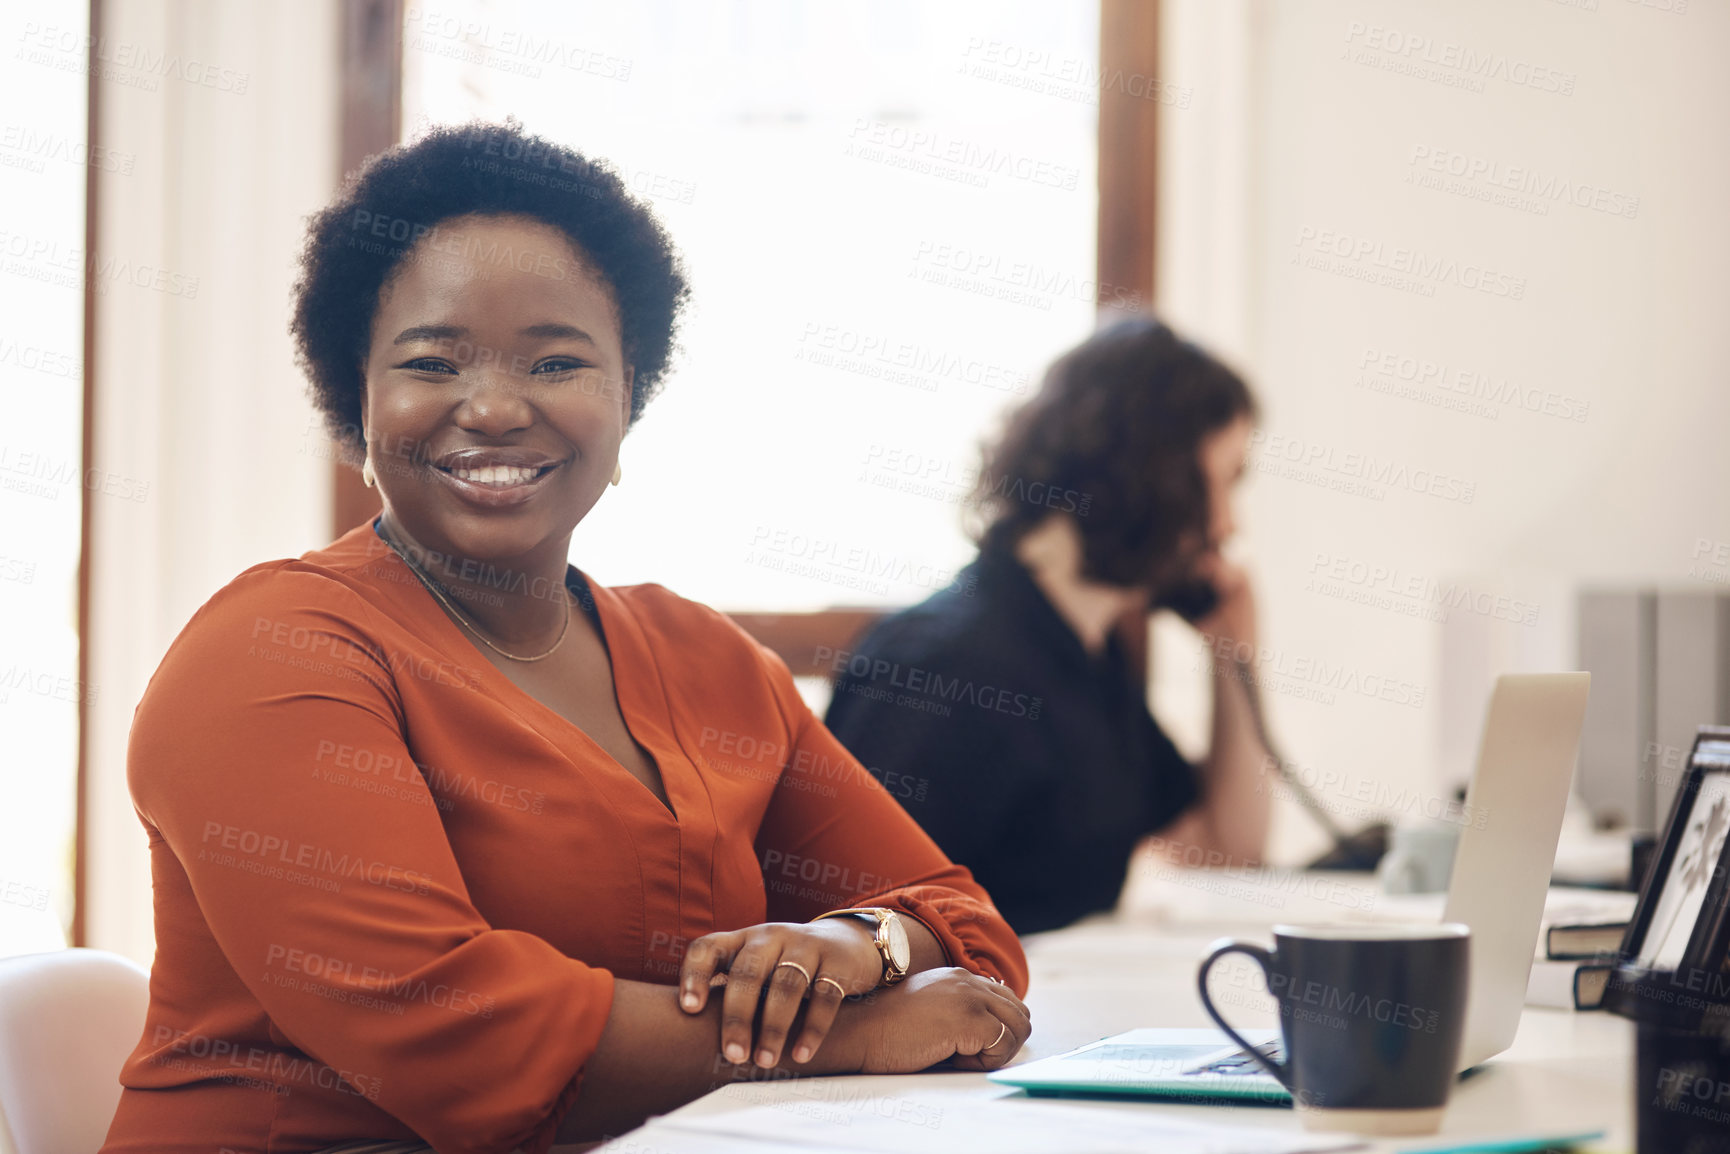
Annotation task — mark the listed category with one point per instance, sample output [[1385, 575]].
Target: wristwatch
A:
[[890, 939]]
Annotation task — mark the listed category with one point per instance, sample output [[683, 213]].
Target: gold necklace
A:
[[463, 618]]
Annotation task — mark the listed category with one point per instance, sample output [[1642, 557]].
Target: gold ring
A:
[[798, 967], [1002, 1029], [838, 986]]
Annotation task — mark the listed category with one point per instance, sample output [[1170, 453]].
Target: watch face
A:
[[900, 948]]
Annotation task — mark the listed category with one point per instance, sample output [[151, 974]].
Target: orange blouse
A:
[[393, 890]]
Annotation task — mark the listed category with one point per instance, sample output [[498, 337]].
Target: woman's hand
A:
[[1234, 617], [942, 1014], [824, 961]]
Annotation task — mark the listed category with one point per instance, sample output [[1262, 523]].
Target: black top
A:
[[1028, 761]]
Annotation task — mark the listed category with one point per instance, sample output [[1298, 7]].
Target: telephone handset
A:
[[1191, 600]]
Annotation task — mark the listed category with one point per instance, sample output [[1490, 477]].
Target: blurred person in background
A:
[[1002, 712]]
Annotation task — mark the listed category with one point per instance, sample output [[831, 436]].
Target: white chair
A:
[[68, 1021]]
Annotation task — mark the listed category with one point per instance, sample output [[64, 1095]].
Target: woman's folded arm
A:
[[654, 1057]]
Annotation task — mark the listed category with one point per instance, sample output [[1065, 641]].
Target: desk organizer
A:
[[1682, 1056]]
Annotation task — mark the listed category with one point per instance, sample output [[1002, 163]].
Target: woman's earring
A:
[[367, 476], [618, 473]]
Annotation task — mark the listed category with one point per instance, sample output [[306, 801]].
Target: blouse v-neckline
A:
[[635, 702]]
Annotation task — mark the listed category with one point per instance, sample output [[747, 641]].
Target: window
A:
[[43, 162], [888, 215]]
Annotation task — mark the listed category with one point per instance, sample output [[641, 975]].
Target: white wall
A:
[[197, 394], [1295, 138]]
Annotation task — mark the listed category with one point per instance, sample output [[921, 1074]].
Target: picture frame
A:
[[1682, 917]]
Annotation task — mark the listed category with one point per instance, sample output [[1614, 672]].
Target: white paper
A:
[[942, 1124]]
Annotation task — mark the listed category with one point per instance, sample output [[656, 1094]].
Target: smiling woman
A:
[[429, 809]]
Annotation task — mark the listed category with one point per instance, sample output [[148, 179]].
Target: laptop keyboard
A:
[[1241, 1063]]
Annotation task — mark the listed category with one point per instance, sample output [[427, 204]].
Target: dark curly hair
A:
[[1112, 438], [357, 243]]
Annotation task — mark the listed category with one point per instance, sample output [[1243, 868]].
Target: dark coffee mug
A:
[[1371, 1015]]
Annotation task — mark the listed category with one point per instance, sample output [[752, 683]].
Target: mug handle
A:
[[1264, 959]]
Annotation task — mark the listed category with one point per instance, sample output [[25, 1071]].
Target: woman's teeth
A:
[[501, 476]]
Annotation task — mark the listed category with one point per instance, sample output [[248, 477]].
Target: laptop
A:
[[1501, 876]]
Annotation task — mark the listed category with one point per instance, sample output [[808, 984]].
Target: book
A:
[[1567, 985], [1581, 941], [1581, 924]]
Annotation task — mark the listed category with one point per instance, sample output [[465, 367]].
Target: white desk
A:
[[1565, 1071]]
